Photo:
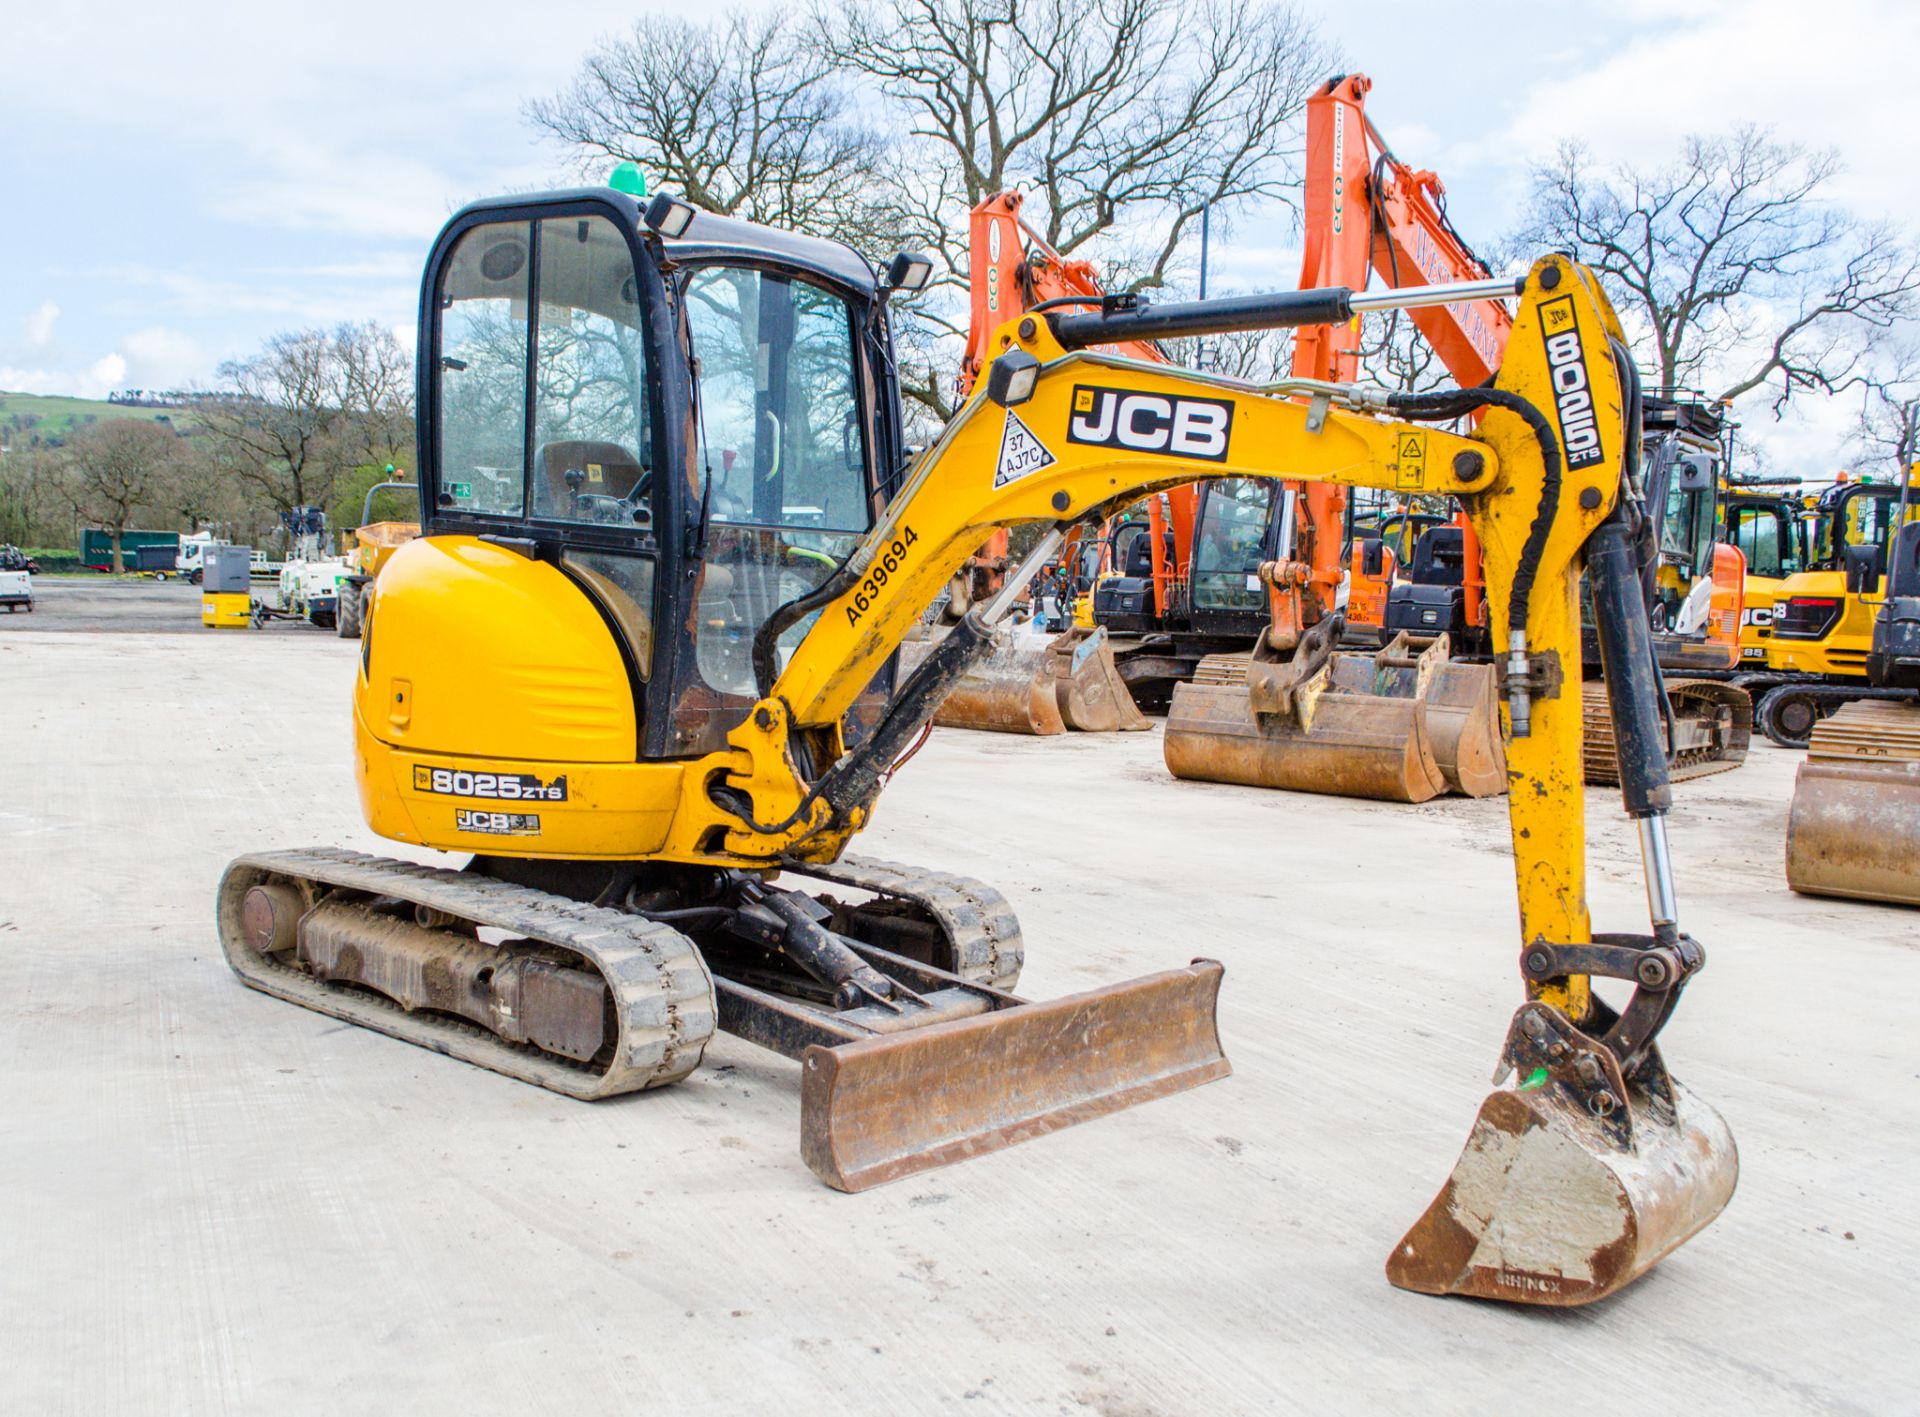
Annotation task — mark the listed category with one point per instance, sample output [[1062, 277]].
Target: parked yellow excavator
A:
[[652, 707], [1854, 827]]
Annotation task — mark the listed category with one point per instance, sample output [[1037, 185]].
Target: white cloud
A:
[[39, 325], [160, 358], [1840, 79]]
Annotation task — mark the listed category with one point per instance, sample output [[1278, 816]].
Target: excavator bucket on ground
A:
[[1854, 827], [1038, 687], [1402, 725], [1712, 723], [1576, 1178]]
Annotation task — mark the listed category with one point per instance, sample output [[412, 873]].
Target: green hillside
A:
[[56, 415]]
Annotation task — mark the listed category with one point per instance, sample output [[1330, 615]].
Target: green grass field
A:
[[60, 415]]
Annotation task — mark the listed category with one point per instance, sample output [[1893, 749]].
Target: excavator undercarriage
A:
[[897, 1006]]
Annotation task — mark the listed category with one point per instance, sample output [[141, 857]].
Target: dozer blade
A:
[[886, 1107], [1352, 744], [1463, 724], [1008, 691], [1091, 695], [1712, 725], [1854, 828], [1574, 1181]]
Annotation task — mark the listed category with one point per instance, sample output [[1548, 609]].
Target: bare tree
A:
[[311, 405], [1730, 261], [1125, 119], [117, 468], [745, 117], [1888, 432]]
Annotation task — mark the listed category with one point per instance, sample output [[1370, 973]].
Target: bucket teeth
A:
[[1575, 1180]]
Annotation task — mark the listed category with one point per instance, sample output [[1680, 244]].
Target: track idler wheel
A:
[[1576, 1179]]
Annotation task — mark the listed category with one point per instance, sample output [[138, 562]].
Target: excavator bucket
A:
[[1402, 725], [1040, 687], [890, 1106], [1463, 722], [1091, 695], [1575, 1180], [1008, 691], [1854, 827]]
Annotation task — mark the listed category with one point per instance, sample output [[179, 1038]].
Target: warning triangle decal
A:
[[1021, 454]]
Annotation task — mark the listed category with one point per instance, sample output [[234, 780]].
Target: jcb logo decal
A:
[[1572, 388], [1151, 423]]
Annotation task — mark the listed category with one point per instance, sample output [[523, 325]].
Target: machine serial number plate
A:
[[501, 786], [497, 823]]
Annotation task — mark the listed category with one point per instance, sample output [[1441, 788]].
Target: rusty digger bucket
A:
[[1402, 725], [1577, 1178], [1037, 687], [1854, 827]]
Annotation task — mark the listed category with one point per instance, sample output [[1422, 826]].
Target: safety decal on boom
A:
[[1572, 388], [1021, 453]]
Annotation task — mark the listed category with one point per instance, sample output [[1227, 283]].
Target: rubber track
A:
[[1601, 767], [978, 922], [664, 997]]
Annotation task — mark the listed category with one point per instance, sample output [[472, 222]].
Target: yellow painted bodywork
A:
[[483, 662], [226, 610]]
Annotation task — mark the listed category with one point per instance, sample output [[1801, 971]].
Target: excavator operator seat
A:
[[564, 471], [1432, 600]]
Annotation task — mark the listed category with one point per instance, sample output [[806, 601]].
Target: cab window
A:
[[782, 463], [1231, 544], [592, 457], [483, 295]]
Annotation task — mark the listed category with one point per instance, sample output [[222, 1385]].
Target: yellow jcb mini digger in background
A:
[[1854, 829], [652, 712]]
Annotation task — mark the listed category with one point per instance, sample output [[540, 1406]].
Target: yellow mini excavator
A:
[[636, 671]]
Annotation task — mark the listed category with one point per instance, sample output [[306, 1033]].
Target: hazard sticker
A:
[[1411, 455], [1021, 454]]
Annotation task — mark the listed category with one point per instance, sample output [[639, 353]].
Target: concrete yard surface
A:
[[214, 1201]]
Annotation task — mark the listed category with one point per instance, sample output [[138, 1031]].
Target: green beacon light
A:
[[628, 178]]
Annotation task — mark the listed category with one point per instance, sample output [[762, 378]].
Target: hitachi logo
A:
[[1572, 390]]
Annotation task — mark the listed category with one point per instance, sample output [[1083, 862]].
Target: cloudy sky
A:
[[182, 181]]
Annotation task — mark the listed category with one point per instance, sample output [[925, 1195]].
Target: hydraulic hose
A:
[[1457, 403]]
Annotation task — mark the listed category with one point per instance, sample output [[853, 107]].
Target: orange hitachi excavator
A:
[[1366, 211]]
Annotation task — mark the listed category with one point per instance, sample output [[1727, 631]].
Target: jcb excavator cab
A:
[[692, 430]]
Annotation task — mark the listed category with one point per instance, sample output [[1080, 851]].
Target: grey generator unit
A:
[[226, 570]]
